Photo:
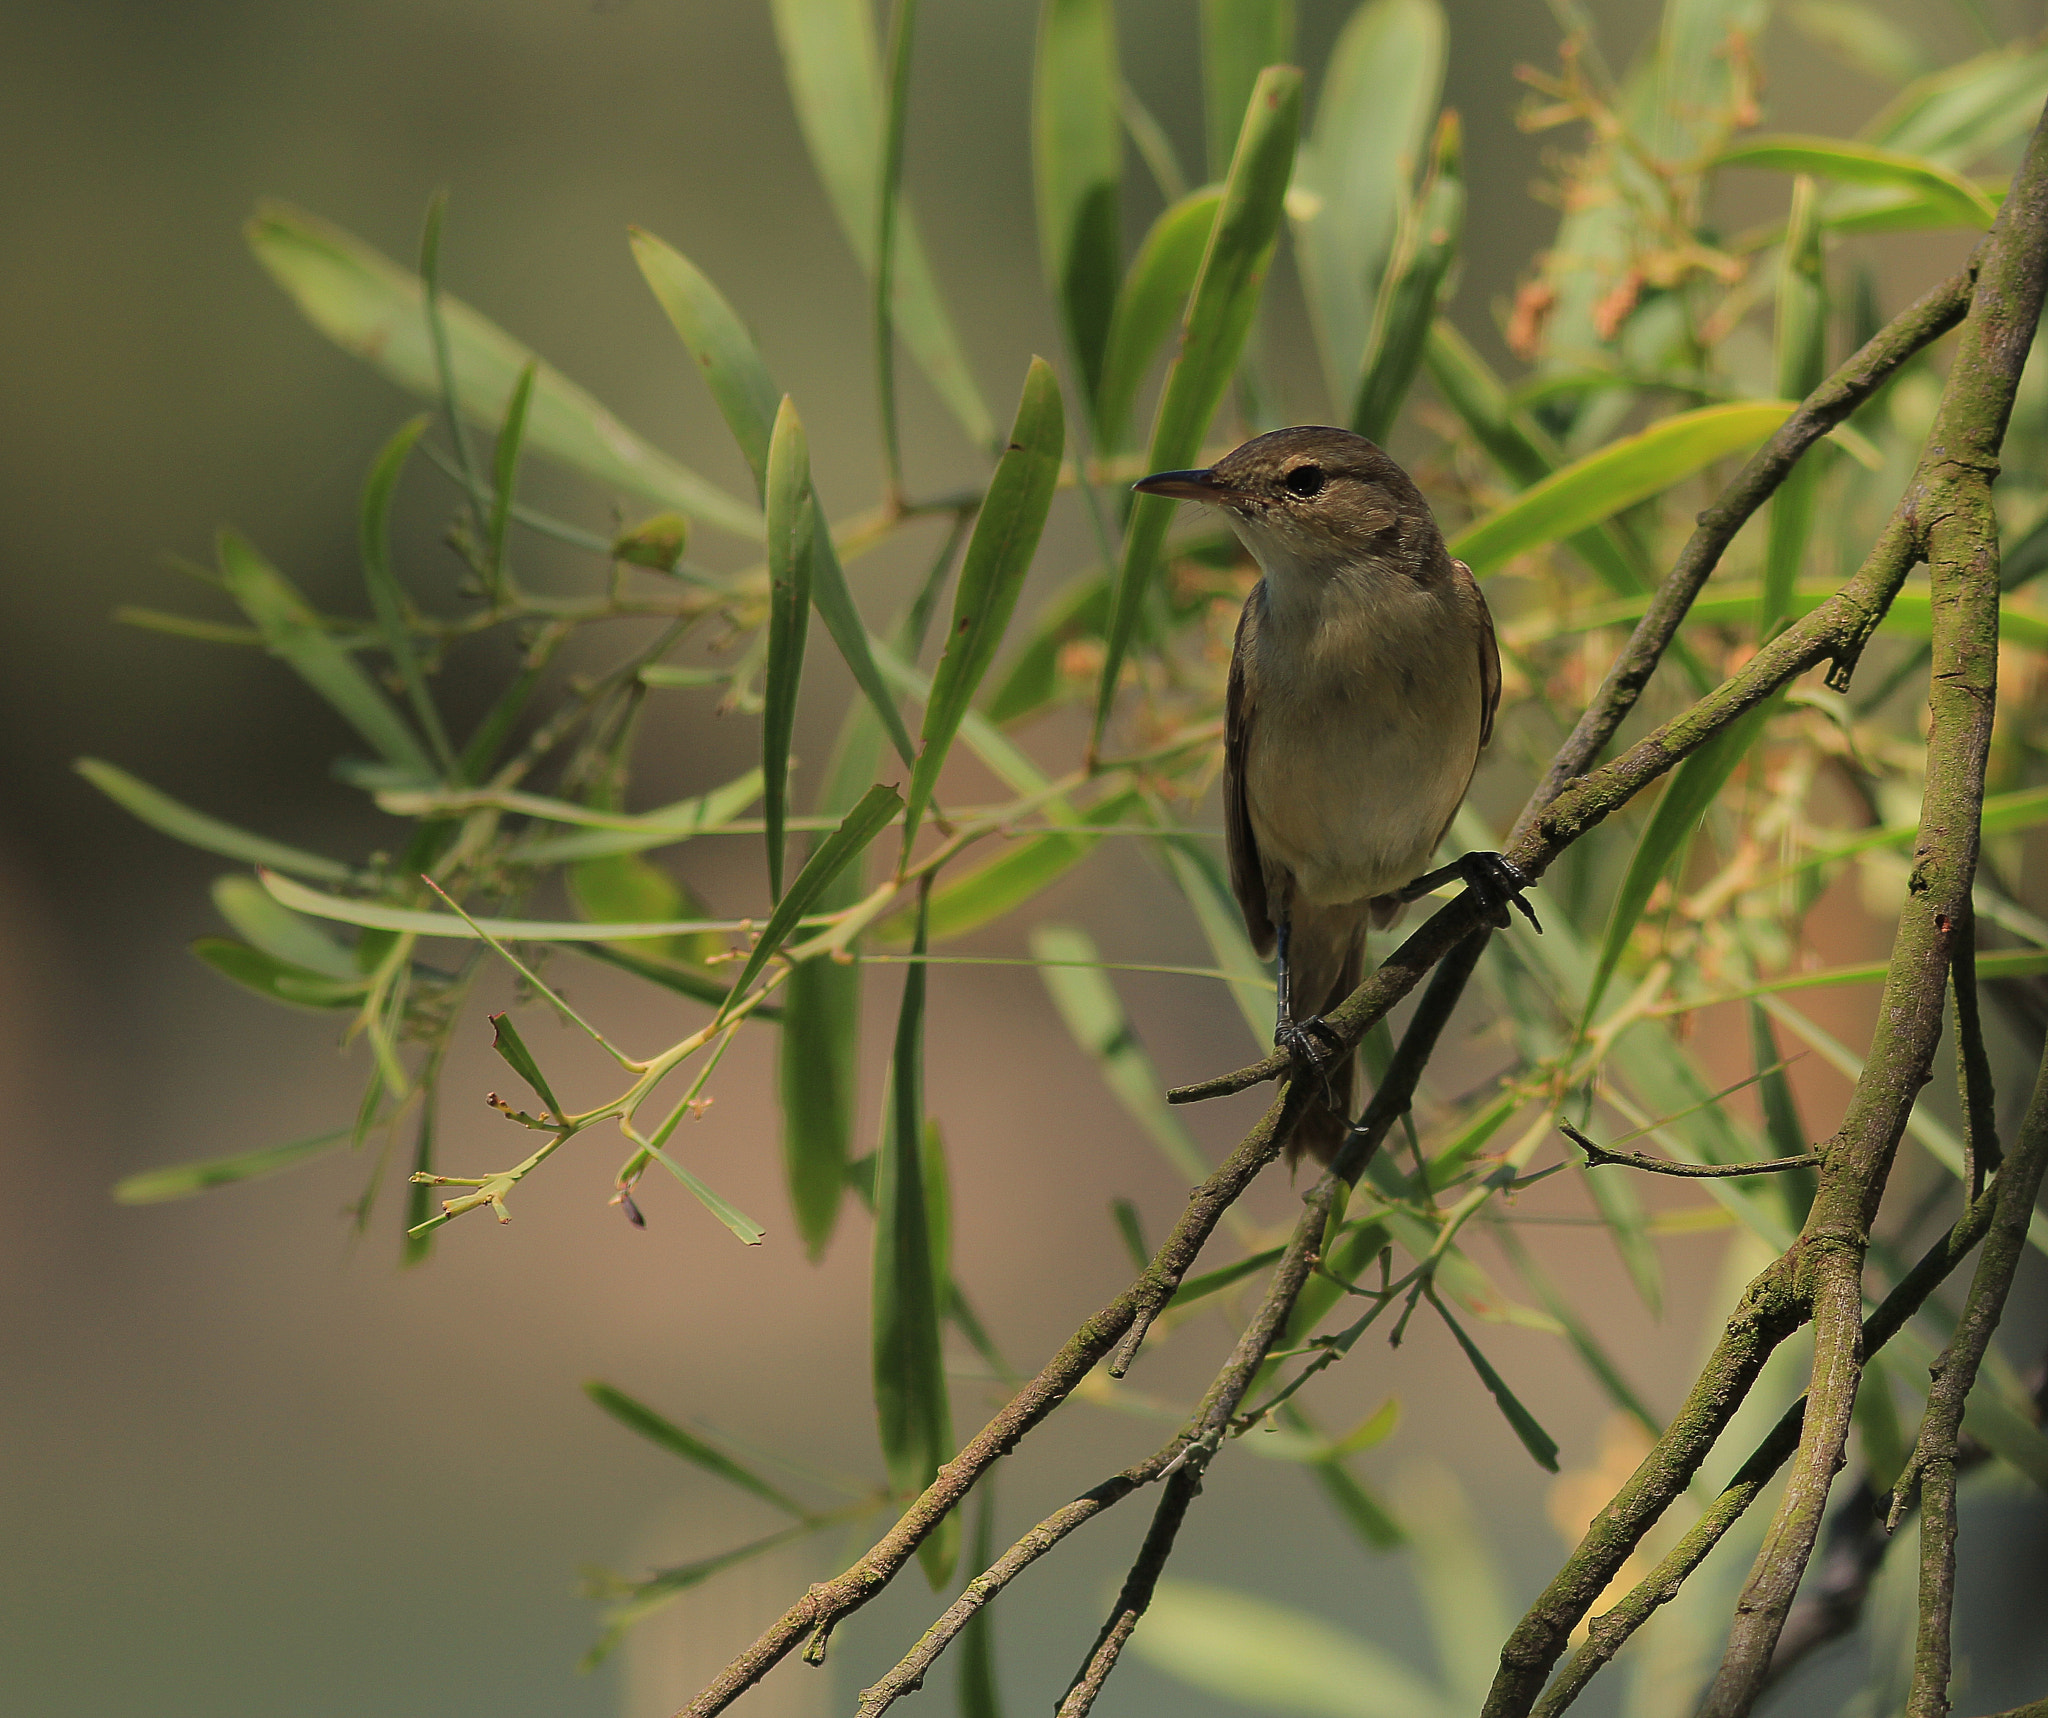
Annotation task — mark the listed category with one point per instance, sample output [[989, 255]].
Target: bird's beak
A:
[[1184, 486]]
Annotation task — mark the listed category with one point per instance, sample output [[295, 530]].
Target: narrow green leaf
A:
[[1379, 96], [277, 980], [1459, 1581], [834, 600], [1213, 333], [1131, 1231], [1088, 1004], [1864, 164], [998, 556], [1149, 305], [1864, 37], [792, 519], [387, 600], [623, 832], [511, 443], [376, 916], [1406, 304], [1271, 1657], [1628, 1227], [1967, 110], [1617, 476], [1539, 1443], [912, 1412], [1193, 1289], [1240, 38], [293, 632], [979, 1693], [835, 81], [1033, 680], [1030, 866], [636, 1416], [645, 1597], [506, 1041], [877, 809], [368, 305], [818, 1076], [895, 122], [195, 829], [1910, 616], [1801, 339], [1078, 150], [1782, 1127], [749, 1232], [719, 344], [1693, 787], [182, 1180], [625, 889], [296, 941]]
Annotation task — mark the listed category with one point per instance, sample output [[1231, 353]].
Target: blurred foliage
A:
[[1656, 349]]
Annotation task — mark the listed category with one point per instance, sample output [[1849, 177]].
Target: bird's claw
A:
[[1494, 879], [1313, 1045]]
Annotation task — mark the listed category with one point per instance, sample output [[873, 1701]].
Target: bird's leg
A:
[[1496, 882], [1312, 1041]]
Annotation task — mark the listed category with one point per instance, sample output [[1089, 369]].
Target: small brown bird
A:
[[1362, 690]]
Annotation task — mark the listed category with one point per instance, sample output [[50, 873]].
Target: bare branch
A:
[[1596, 1155]]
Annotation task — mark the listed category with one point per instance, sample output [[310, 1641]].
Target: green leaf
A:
[[1218, 321], [679, 976], [719, 344], [1030, 866], [195, 829], [979, 1693], [506, 1041], [750, 1233], [1458, 1580], [1628, 1227], [1863, 37], [511, 443], [1577, 1332], [998, 556], [1239, 39], [1865, 164], [368, 305], [621, 832], [835, 82], [1539, 1443], [1131, 1232], [1617, 476], [1148, 307], [792, 521], [1964, 111], [182, 1180], [1088, 1005], [1406, 303], [1276, 1659], [1078, 151], [387, 600], [277, 980], [877, 809], [636, 1416], [658, 543], [1079, 610], [1199, 876], [1693, 786], [293, 632], [645, 1597], [625, 889], [1801, 339], [378, 917], [1910, 616], [842, 620], [1379, 95], [818, 1074], [912, 1413], [296, 941]]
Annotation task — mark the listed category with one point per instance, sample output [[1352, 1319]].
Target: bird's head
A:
[[1313, 501]]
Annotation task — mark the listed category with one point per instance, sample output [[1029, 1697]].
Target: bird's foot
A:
[[1497, 883], [1312, 1043]]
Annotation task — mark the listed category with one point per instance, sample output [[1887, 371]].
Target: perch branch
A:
[[1597, 1155]]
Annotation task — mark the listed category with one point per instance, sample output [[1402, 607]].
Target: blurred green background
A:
[[252, 1468]]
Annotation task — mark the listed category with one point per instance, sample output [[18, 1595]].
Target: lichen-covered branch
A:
[[1932, 1468], [1949, 502]]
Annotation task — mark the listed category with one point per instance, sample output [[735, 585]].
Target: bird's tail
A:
[[1326, 954]]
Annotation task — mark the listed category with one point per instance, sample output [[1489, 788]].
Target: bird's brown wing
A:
[[1489, 650], [1247, 872]]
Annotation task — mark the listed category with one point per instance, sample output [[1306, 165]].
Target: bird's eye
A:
[[1305, 480]]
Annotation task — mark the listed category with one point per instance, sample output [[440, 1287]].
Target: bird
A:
[[1363, 685]]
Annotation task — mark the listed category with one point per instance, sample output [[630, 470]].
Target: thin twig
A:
[[1596, 1155]]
